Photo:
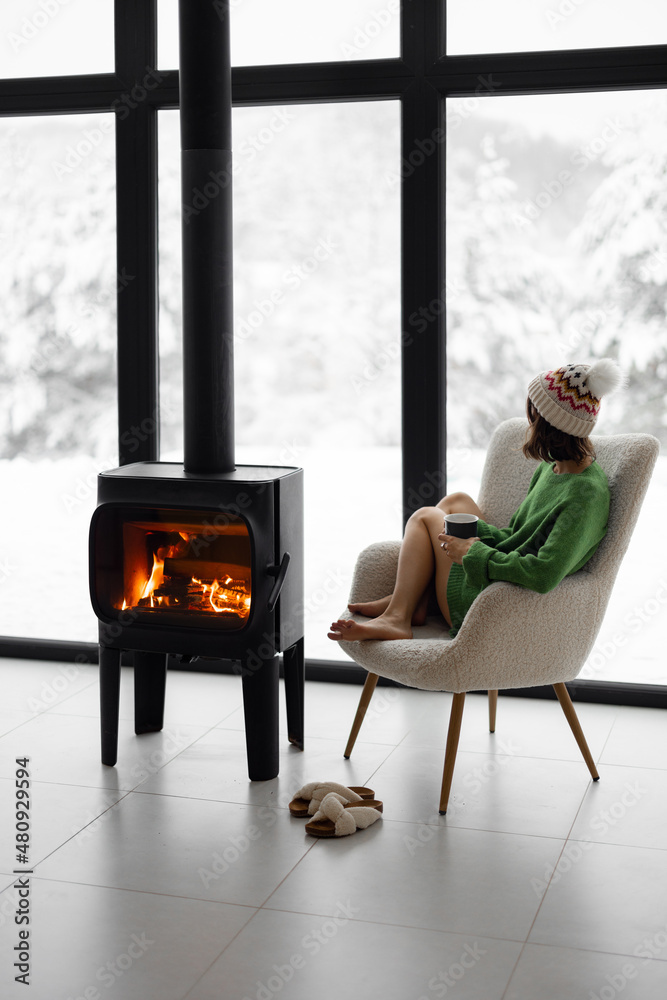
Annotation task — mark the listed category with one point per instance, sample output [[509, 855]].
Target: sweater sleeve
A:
[[561, 547], [490, 534]]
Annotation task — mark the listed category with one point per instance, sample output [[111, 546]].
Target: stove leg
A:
[[294, 669], [260, 707], [150, 679], [109, 702]]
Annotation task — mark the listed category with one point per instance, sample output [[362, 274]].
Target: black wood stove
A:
[[203, 558]]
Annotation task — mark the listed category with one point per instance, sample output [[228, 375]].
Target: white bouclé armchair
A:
[[511, 637]]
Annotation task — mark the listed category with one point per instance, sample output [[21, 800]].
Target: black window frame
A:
[[421, 78]]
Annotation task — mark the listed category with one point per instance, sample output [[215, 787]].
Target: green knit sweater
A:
[[554, 533]]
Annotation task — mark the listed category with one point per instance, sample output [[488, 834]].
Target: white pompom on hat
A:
[[569, 397]]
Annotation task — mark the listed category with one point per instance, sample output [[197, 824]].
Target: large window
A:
[[513, 152], [557, 253], [56, 37], [58, 285], [524, 25], [265, 32], [317, 322]]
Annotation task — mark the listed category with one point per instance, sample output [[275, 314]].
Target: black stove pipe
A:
[[206, 186]]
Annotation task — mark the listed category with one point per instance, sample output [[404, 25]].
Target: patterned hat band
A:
[[569, 397]]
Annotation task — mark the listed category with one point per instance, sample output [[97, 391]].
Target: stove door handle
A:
[[280, 573]]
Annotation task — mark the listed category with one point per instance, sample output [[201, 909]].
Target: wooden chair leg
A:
[[452, 746], [575, 726], [493, 704], [364, 702]]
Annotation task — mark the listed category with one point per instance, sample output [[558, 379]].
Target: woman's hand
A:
[[456, 548]]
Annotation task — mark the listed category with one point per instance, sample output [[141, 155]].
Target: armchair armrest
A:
[[529, 638], [375, 571]]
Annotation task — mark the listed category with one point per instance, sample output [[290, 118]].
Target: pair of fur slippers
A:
[[336, 810]]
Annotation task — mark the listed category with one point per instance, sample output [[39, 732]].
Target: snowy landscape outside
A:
[[557, 252]]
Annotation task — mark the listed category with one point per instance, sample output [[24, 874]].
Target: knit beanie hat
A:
[[569, 397]]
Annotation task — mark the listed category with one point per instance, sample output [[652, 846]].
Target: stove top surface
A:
[[175, 470]]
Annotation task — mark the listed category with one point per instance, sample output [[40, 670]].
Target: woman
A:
[[553, 533]]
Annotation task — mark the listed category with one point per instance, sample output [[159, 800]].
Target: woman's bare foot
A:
[[378, 628], [370, 609], [373, 609]]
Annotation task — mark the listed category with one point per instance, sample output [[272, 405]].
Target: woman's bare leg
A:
[[371, 609], [453, 503], [420, 559], [459, 503]]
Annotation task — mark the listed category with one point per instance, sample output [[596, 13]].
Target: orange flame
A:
[[156, 578]]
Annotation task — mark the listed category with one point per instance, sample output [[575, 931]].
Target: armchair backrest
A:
[[627, 459], [507, 473]]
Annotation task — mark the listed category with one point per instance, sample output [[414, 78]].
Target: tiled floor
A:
[[171, 876]]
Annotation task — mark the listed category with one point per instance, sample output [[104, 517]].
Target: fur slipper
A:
[[337, 818], [307, 800]]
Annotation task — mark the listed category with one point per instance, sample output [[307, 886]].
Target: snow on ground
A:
[[352, 499]]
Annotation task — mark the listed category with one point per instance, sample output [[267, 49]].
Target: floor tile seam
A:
[[555, 867], [490, 753], [18, 725], [96, 819], [638, 767], [68, 784], [128, 719], [391, 923], [615, 720], [514, 968], [382, 763], [142, 892], [474, 829], [220, 954], [329, 739], [287, 875], [606, 843], [201, 798], [593, 951]]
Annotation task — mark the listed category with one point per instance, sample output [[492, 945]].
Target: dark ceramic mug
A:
[[461, 525]]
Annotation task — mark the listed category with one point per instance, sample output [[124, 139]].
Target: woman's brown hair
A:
[[546, 443]]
